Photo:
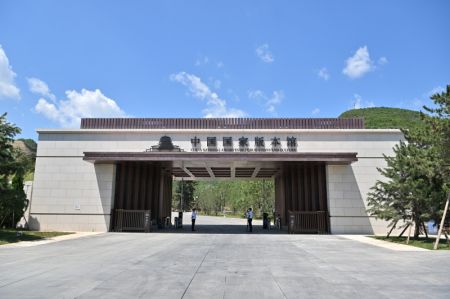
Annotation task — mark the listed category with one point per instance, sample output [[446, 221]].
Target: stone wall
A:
[[348, 186], [75, 195], [72, 195]]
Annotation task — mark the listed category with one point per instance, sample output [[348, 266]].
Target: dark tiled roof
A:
[[222, 123]]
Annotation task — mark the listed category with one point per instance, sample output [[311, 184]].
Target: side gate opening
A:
[[301, 197], [142, 196]]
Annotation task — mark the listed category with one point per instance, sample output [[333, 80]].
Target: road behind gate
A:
[[220, 261]]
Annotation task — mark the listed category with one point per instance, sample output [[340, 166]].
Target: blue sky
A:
[[62, 60]]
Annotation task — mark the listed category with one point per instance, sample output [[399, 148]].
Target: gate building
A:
[[322, 168]]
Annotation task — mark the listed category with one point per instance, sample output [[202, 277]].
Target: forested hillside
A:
[[386, 118], [28, 147]]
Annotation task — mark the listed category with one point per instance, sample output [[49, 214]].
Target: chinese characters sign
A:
[[243, 144]]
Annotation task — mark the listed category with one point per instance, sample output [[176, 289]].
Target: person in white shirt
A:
[[249, 219], [193, 217]]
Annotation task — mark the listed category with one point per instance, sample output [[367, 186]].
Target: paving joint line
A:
[[276, 282], [198, 268]]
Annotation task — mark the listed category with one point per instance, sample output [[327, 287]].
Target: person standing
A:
[[193, 217], [250, 219]]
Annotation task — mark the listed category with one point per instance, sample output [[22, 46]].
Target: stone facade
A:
[[74, 195]]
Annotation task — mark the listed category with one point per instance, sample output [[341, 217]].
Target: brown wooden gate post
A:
[[161, 197]]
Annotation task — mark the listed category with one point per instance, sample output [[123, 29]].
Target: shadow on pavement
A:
[[219, 229]]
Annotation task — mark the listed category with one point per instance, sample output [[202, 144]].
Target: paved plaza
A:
[[220, 260]]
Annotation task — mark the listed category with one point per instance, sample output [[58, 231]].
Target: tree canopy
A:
[[183, 195], [439, 120], [12, 169], [417, 177], [213, 197]]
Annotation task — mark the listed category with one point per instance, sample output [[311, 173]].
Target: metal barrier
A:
[[132, 220], [307, 222]]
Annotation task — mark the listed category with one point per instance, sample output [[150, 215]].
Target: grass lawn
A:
[[10, 236], [422, 242]]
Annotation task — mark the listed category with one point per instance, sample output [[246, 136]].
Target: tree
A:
[[418, 174], [183, 192], [259, 194], [413, 191], [439, 120], [29, 156], [13, 200], [210, 197], [214, 197]]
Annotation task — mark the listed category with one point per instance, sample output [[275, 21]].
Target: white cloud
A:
[[276, 99], [256, 95], [86, 103], [315, 111], [382, 60], [49, 110], [205, 60], [41, 88], [370, 104], [358, 103], [270, 102], [358, 64], [8, 89], [264, 53], [323, 73], [202, 60], [424, 99], [216, 107]]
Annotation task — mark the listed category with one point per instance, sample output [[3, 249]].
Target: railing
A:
[[307, 222], [222, 123], [132, 220]]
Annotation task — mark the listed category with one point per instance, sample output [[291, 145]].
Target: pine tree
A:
[[439, 120], [417, 176], [413, 191]]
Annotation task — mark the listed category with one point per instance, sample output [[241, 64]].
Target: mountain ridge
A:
[[386, 117]]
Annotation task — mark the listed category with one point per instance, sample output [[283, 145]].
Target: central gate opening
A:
[[147, 192], [222, 204]]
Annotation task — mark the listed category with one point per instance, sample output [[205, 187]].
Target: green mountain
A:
[[386, 118], [28, 147]]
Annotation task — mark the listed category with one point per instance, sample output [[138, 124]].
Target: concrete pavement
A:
[[74, 235], [220, 261]]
